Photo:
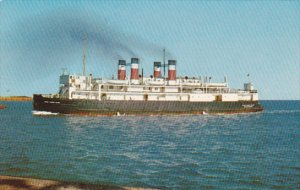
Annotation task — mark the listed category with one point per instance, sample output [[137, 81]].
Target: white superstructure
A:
[[152, 88]]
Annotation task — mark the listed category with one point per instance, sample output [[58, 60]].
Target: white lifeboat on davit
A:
[[216, 84], [117, 81]]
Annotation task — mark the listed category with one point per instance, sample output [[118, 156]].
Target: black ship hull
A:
[[114, 107]]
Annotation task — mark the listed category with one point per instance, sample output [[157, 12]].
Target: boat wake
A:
[[43, 113], [118, 114]]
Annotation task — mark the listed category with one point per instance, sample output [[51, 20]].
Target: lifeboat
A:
[[216, 84], [117, 81]]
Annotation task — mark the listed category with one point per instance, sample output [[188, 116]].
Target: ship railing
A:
[[187, 89]]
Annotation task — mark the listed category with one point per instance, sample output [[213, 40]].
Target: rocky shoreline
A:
[[22, 183]]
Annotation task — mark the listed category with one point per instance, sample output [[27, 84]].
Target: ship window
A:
[[111, 87], [156, 88]]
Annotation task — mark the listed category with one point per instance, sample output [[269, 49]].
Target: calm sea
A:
[[251, 151]]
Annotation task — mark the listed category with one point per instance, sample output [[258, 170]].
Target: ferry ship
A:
[[139, 95]]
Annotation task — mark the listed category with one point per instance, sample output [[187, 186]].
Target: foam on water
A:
[[43, 113]]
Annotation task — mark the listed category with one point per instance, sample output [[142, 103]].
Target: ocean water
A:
[[250, 151]]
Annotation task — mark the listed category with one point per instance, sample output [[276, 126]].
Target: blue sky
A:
[[208, 38]]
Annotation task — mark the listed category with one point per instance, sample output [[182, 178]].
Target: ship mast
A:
[[84, 56], [164, 52]]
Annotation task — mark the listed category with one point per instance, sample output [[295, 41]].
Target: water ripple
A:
[[240, 151]]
